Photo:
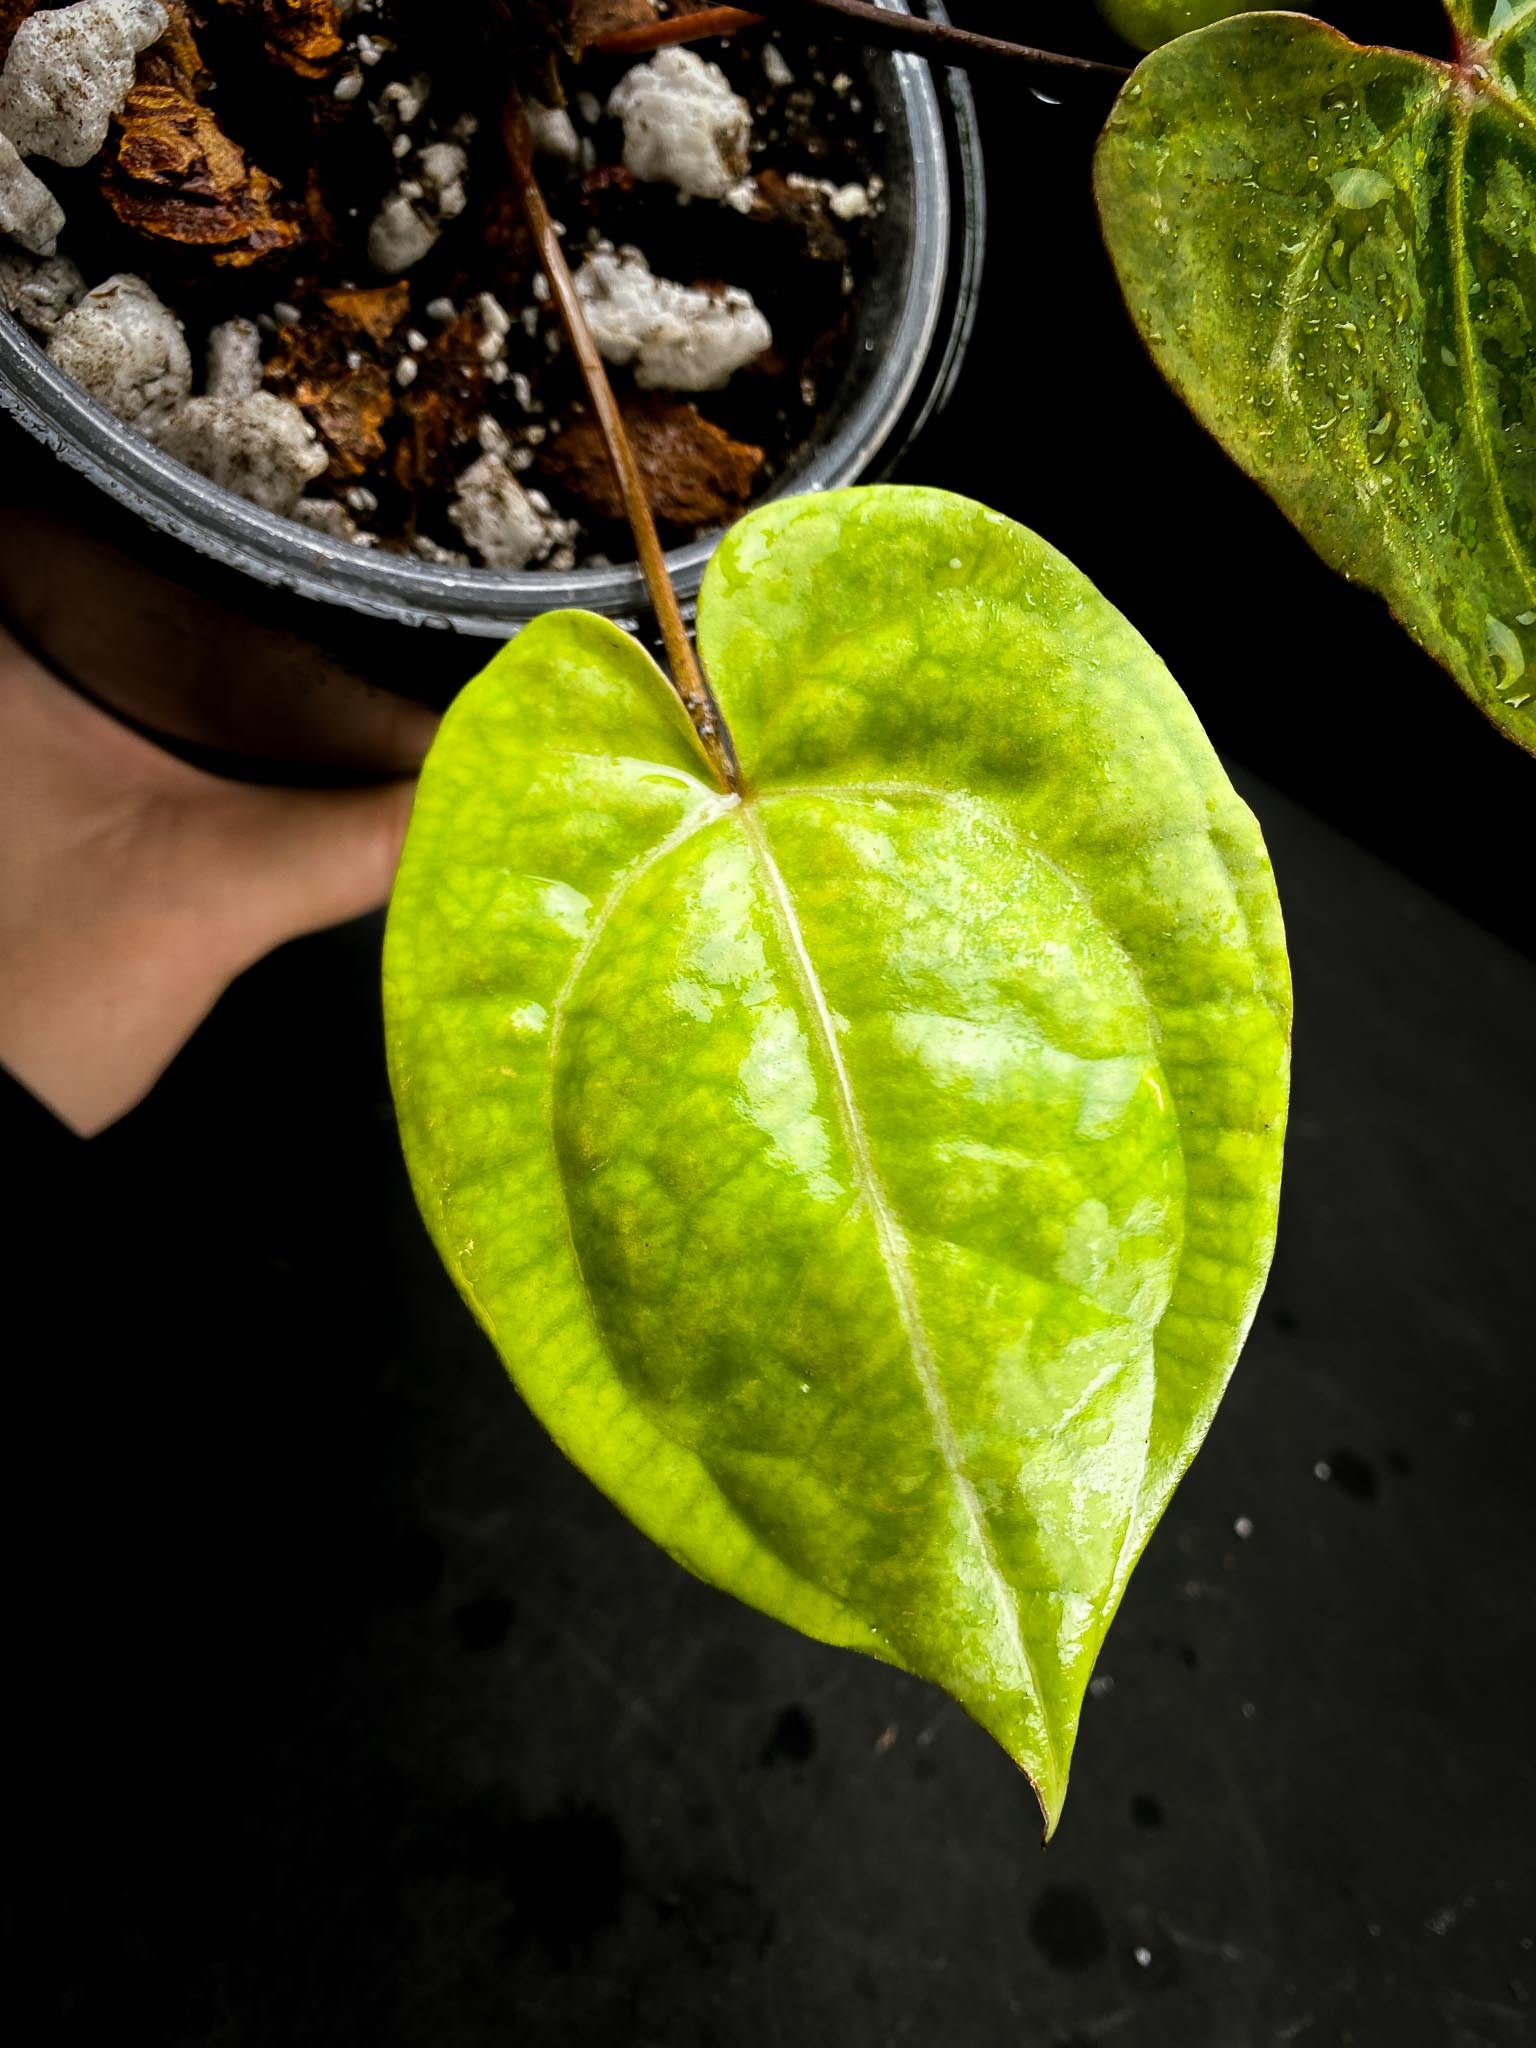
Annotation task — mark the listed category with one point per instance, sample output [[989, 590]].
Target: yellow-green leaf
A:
[[867, 1177]]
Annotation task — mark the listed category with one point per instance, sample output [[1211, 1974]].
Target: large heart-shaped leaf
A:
[[868, 1178], [1331, 252]]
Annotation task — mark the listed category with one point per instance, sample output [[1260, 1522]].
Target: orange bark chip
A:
[[171, 172]]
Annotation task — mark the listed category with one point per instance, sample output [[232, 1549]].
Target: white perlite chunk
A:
[[234, 360], [498, 518], [405, 98], [442, 166], [683, 125], [324, 515], [850, 202], [678, 337], [252, 443], [431, 550], [553, 131], [69, 71], [29, 213], [39, 290], [128, 351], [411, 219], [260, 447], [400, 236]]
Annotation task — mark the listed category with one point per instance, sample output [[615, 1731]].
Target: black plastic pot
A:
[[270, 649]]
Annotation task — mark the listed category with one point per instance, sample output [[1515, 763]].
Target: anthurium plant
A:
[[847, 1078]]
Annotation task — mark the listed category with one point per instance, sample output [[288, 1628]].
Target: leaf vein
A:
[[1296, 288], [1512, 27], [623, 882], [1525, 566], [713, 808]]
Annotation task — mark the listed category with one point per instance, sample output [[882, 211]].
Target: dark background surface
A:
[[350, 1714]]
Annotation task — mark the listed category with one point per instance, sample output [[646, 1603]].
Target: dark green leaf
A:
[[1331, 252], [869, 1179]]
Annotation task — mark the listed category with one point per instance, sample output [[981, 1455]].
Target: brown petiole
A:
[[940, 41], [677, 28], [687, 677]]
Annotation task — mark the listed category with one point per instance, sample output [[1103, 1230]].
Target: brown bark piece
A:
[[802, 213], [176, 59], [591, 19], [695, 474], [376, 312], [303, 36], [348, 400], [350, 418], [442, 408], [170, 172]]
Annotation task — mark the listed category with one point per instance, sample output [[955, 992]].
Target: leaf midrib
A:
[[1524, 565], [896, 1257], [903, 789], [894, 1250], [1459, 118], [709, 811], [1302, 276]]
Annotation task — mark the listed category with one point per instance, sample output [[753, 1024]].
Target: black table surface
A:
[[351, 1714]]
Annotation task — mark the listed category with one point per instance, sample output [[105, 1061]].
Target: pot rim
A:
[[488, 603]]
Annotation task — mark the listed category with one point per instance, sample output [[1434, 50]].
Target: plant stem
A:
[[687, 677], [678, 28], [940, 41]]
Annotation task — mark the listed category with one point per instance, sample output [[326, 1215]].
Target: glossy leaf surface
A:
[[1331, 252], [868, 1180]]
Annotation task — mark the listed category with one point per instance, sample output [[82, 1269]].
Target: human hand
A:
[[134, 888]]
